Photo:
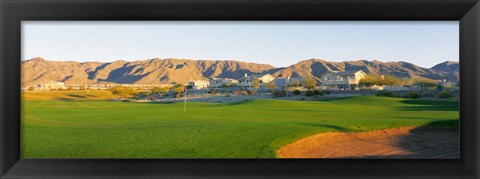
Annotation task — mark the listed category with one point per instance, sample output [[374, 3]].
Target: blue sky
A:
[[277, 43]]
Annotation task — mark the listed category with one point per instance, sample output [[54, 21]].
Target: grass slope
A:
[[253, 129]]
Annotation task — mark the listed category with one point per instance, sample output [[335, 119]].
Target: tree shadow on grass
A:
[[299, 110], [335, 99], [427, 105], [64, 99], [164, 102], [245, 101], [76, 95]]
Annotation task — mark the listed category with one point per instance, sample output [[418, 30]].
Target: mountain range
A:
[[165, 71]]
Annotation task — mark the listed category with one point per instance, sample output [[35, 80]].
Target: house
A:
[[246, 81], [51, 86], [219, 82], [199, 84], [345, 80], [283, 83]]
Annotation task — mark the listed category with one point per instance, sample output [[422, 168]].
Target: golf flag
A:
[[185, 101]]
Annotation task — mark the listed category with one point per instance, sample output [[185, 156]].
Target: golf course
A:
[[89, 125]]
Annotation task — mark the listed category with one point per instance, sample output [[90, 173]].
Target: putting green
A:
[[83, 128]]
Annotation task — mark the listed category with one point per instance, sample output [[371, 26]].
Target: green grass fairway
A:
[[253, 129]]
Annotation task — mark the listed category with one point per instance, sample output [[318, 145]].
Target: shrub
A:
[[302, 98], [159, 90], [296, 92], [327, 92], [244, 92], [31, 88], [235, 92], [318, 92], [414, 95], [279, 93], [309, 93], [385, 93], [143, 94], [124, 91], [177, 89], [445, 94], [427, 94], [253, 92]]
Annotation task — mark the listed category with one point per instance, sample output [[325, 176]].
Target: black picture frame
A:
[[15, 11]]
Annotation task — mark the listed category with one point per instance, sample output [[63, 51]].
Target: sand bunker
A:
[[405, 142]]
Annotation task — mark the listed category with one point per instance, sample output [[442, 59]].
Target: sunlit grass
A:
[[92, 128]]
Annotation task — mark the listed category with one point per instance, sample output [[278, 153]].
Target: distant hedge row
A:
[[413, 94], [298, 92]]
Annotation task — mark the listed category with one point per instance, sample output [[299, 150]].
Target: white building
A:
[[283, 83], [246, 81], [199, 84], [220, 82], [51, 85], [345, 80]]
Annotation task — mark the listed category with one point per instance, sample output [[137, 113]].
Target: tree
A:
[[448, 86], [271, 85], [159, 90], [424, 83], [177, 89], [296, 92], [70, 88], [31, 88], [353, 86], [123, 91], [309, 82], [226, 85], [391, 80], [142, 94], [370, 80], [83, 87], [407, 82], [255, 83], [295, 83], [366, 83], [378, 80]]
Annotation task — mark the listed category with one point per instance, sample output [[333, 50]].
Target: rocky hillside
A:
[[165, 71], [154, 71], [400, 69]]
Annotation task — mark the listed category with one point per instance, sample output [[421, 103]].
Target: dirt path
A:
[[405, 142]]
